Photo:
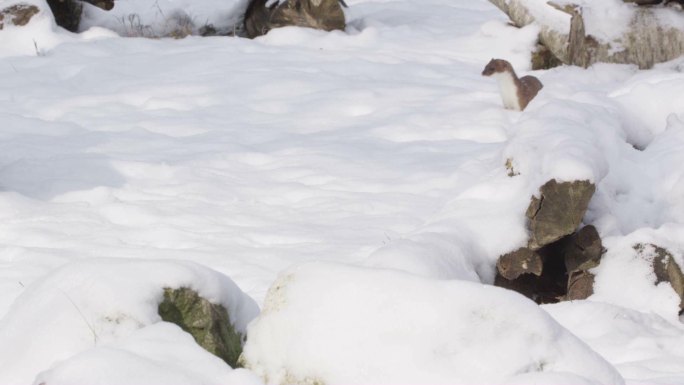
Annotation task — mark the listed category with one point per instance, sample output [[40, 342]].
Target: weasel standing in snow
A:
[[516, 93]]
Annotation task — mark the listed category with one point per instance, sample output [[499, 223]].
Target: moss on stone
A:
[[209, 324]]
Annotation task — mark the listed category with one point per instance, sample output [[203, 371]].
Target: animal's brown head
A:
[[496, 66]]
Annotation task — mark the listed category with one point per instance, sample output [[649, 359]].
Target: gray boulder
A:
[[208, 323], [260, 17], [558, 211]]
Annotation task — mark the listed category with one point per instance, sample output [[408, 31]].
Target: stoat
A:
[[516, 93]]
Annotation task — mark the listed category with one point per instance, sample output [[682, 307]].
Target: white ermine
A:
[[516, 93]]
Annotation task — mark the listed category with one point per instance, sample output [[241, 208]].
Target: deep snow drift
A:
[[320, 320], [381, 147]]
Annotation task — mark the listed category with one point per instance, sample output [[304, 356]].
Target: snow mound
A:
[[644, 346], [41, 34], [160, 354], [648, 100], [95, 303], [626, 278], [337, 324], [160, 18]]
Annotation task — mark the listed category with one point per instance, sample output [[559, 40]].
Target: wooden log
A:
[[648, 38]]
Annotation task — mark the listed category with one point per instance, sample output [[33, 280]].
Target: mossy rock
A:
[[208, 323]]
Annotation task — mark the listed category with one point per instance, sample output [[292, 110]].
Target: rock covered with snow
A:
[[583, 32], [105, 306], [337, 324], [18, 14], [264, 15]]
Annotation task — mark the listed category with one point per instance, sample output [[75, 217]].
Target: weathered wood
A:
[[647, 41]]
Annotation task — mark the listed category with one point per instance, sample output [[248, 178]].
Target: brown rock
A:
[[103, 4], [582, 250], [18, 14], [580, 285], [667, 270], [558, 211], [519, 262]]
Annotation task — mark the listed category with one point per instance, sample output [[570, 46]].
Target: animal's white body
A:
[[508, 89]]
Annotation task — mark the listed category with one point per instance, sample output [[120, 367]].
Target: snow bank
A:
[[38, 36], [155, 18], [625, 276], [607, 20], [160, 354], [648, 99], [337, 324], [100, 304], [644, 189], [643, 346], [41, 34]]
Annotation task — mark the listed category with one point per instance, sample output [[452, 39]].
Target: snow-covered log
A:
[[584, 32]]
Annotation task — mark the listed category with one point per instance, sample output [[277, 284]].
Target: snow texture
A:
[[129, 163], [426, 331], [105, 307]]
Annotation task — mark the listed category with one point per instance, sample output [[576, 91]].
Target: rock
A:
[[519, 262], [557, 271], [67, 13], [103, 4], [582, 250], [209, 324], [18, 14], [260, 17], [580, 285], [548, 287], [558, 211], [665, 268], [543, 58]]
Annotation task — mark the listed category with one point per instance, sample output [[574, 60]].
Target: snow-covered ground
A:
[[380, 147]]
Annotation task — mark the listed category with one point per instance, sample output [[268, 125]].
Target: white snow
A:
[[319, 320], [160, 354], [642, 345], [155, 18], [105, 306], [126, 163]]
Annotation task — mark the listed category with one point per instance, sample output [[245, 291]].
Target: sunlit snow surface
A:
[[381, 146]]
